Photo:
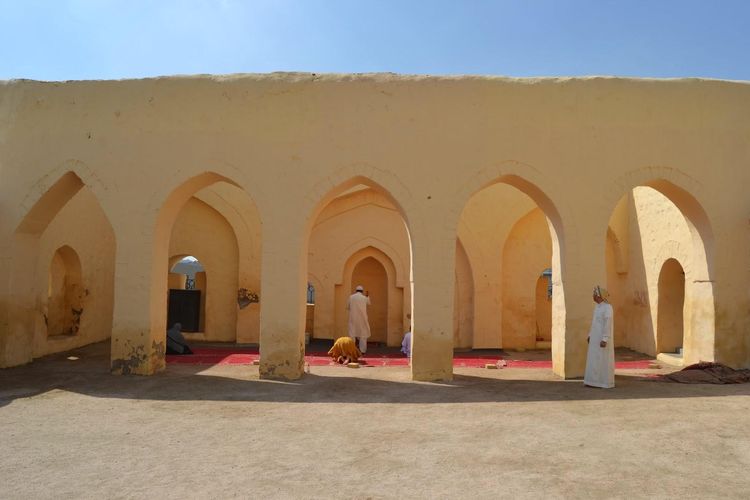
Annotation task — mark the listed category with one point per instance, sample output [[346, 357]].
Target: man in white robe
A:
[[600, 362], [359, 326], [406, 345]]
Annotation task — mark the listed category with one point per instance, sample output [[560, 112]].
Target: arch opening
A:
[[511, 232], [373, 269], [659, 245], [359, 235], [527, 252], [214, 219], [670, 321], [371, 275], [65, 293], [61, 279], [186, 303]]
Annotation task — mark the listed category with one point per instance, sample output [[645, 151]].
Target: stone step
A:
[[670, 358]]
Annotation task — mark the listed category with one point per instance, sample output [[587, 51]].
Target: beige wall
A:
[[291, 143], [176, 281], [202, 232]]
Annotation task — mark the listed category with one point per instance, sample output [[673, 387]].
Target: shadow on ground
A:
[[88, 374]]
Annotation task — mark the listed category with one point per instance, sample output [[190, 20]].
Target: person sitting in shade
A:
[[600, 361], [344, 351], [359, 326], [176, 343], [406, 345]]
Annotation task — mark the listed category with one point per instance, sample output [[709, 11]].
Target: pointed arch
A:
[[540, 189], [324, 192], [49, 193], [398, 272], [167, 214], [395, 294], [24, 315], [685, 193], [670, 323], [527, 252], [696, 256]]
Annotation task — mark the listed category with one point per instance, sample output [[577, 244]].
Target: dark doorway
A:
[[185, 308]]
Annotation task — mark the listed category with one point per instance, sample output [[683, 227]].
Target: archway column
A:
[[433, 275], [16, 342], [582, 266], [699, 335], [731, 342], [5, 264], [138, 335], [282, 303]]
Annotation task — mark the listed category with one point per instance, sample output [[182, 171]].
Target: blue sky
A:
[[96, 39]]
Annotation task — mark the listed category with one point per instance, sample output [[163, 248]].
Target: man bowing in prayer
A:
[[359, 327], [600, 362]]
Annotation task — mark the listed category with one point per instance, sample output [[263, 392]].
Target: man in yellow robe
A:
[[344, 351]]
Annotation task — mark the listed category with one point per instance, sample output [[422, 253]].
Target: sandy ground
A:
[[68, 429]]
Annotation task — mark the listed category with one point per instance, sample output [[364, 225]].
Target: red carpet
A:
[[217, 356]]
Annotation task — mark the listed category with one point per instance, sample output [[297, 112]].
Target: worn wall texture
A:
[[269, 153]]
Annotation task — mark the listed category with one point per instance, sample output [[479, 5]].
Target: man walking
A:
[[359, 327]]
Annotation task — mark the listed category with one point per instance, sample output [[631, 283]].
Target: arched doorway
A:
[[527, 252], [372, 276], [205, 215], [187, 294], [669, 323], [659, 246], [360, 237], [506, 266], [61, 274], [376, 272], [65, 293], [202, 232]]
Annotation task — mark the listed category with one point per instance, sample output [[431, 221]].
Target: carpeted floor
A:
[[316, 356]]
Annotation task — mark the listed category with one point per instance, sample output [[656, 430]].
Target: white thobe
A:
[[359, 327], [406, 344], [600, 362]]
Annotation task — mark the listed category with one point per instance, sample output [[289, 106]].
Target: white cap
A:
[[360, 288]]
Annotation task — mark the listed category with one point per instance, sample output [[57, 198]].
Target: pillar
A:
[[731, 292], [139, 322], [433, 265], [700, 331], [282, 304], [19, 303], [577, 266]]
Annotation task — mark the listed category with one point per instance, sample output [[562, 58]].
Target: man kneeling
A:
[[344, 351]]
